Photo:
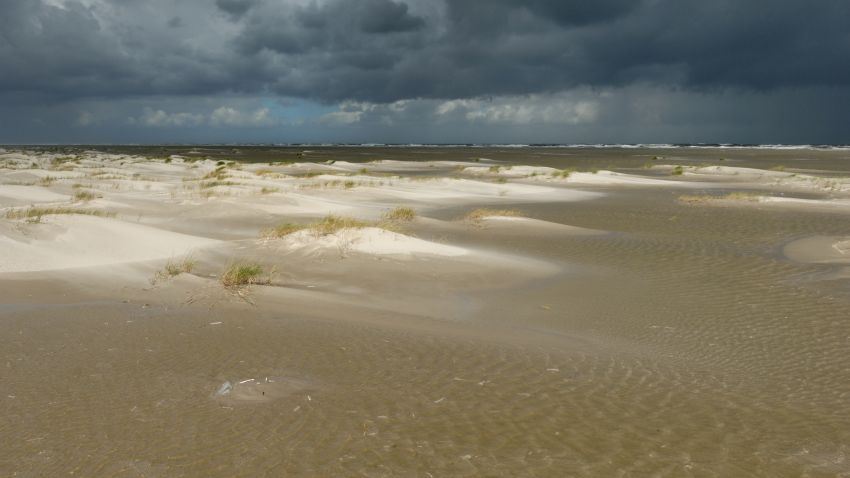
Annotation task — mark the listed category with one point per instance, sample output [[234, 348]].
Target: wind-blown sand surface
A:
[[528, 312]]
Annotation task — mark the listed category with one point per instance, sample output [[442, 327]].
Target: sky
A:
[[425, 71]]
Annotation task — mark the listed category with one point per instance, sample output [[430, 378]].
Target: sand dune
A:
[[70, 241], [813, 204], [368, 240], [777, 179], [11, 195]]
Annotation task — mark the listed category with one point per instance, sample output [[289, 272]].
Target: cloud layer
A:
[[480, 62]]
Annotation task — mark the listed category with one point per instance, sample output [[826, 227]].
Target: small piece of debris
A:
[[439, 400], [216, 323], [224, 389]]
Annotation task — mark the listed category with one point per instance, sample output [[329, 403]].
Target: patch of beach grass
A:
[[695, 198], [330, 224], [34, 214], [677, 171], [402, 214], [240, 274], [563, 174], [268, 173], [284, 229], [742, 196], [705, 198], [174, 268], [84, 196], [219, 173], [476, 216], [216, 183]]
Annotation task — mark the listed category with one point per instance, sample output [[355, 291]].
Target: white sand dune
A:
[[738, 171], [610, 178], [829, 204], [174, 196], [17, 195], [71, 241], [36, 174], [367, 240], [776, 178], [465, 191], [602, 178], [511, 171]]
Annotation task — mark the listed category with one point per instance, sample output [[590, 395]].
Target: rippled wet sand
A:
[[681, 343]]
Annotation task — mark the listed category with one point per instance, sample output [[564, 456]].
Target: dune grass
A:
[[677, 171], [35, 214], [330, 224], [405, 214], [742, 196], [477, 215], [240, 274], [174, 268], [219, 173], [84, 196], [563, 174], [268, 173], [705, 198], [695, 198], [215, 183]]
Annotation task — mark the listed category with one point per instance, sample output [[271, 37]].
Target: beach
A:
[[424, 311]]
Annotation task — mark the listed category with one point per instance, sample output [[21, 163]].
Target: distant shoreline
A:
[[456, 145]]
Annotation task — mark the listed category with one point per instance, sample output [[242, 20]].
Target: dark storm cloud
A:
[[384, 50], [483, 47], [235, 8], [81, 56]]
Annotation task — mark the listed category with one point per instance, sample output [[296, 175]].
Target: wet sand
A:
[[619, 330]]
